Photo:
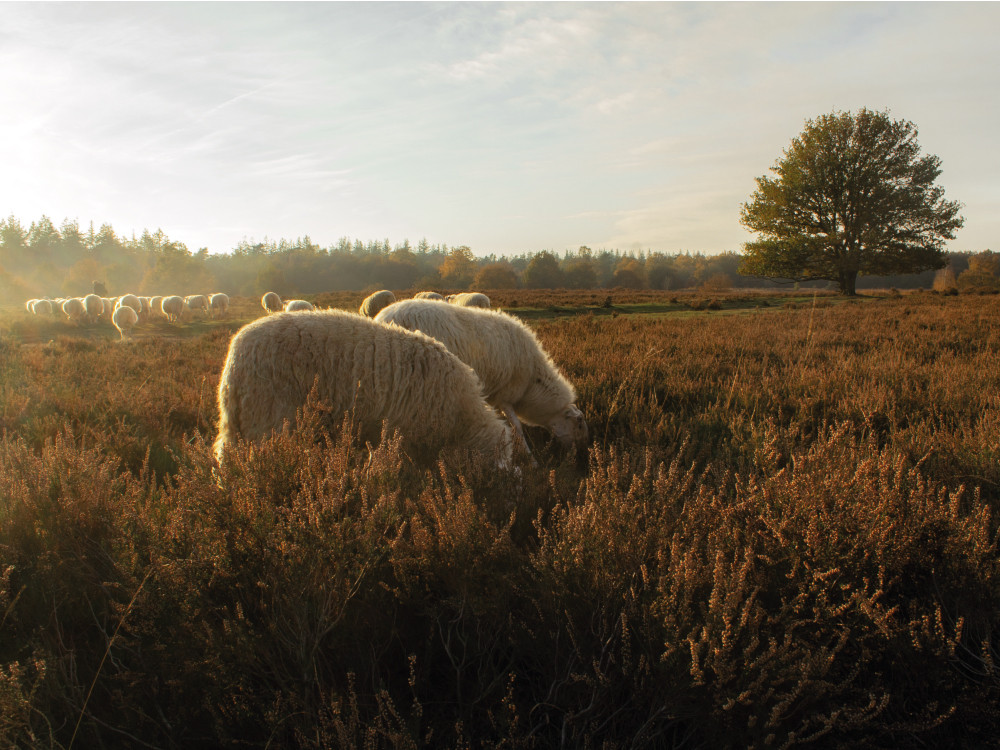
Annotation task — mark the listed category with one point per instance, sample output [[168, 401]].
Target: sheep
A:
[[172, 307], [374, 302], [218, 304], [42, 307], [378, 373], [196, 302], [155, 305], [294, 305], [74, 309], [271, 302], [30, 304], [94, 307], [428, 295], [518, 377], [147, 308], [124, 318], [470, 299], [131, 301]]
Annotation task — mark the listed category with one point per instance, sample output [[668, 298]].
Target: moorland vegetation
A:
[[784, 534]]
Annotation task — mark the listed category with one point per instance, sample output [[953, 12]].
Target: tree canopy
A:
[[851, 195]]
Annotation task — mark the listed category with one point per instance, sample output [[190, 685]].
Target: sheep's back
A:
[[377, 372]]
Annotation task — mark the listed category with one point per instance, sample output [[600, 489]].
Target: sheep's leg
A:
[[519, 439]]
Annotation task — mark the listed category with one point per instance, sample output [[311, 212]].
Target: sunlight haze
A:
[[507, 127]]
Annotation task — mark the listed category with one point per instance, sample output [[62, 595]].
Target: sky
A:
[[507, 127]]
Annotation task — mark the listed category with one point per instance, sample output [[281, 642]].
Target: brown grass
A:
[[785, 535]]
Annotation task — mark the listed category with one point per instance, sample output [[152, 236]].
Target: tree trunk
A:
[[848, 283]]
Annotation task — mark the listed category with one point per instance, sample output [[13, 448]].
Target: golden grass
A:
[[785, 534]]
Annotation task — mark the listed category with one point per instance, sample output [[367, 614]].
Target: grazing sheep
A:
[[470, 299], [172, 307], [428, 295], [155, 305], [295, 305], [377, 373], [124, 318], [197, 302], [94, 306], [74, 309], [271, 302], [374, 303], [218, 304], [30, 304], [41, 307], [130, 300], [518, 376]]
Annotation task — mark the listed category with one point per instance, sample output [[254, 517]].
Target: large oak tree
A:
[[851, 195]]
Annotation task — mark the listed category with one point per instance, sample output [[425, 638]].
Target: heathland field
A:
[[784, 534]]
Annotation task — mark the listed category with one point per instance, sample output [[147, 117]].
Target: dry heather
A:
[[786, 535]]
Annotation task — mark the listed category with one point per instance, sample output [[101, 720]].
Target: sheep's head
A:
[[569, 427]]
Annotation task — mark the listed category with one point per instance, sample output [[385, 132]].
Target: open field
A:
[[785, 534]]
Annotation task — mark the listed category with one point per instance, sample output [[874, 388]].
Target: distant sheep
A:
[[172, 307], [124, 318], [94, 306], [74, 309], [131, 301], [374, 302], [218, 304], [518, 377], [156, 305], [295, 305], [377, 373], [271, 302], [196, 302], [30, 304], [470, 299], [41, 307], [428, 295]]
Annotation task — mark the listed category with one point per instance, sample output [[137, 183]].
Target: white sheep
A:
[[428, 295], [377, 373], [130, 300], [197, 302], [271, 302], [30, 304], [295, 305], [172, 307], [124, 318], [518, 377], [218, 304], [94, 306], [155, 306], [41, 307], [74, 309], [373, 303], [470, 299]]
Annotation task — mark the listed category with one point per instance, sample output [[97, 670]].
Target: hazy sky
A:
[[508, 127]]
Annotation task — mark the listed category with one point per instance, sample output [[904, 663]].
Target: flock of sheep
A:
[[441, 374], [443, 371], [127, 311]]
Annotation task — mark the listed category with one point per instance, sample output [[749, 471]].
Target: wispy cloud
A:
[[514, 126]]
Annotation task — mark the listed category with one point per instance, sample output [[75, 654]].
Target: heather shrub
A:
[[784, 534]]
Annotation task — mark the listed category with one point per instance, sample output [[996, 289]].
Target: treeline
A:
[[42, 259]]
